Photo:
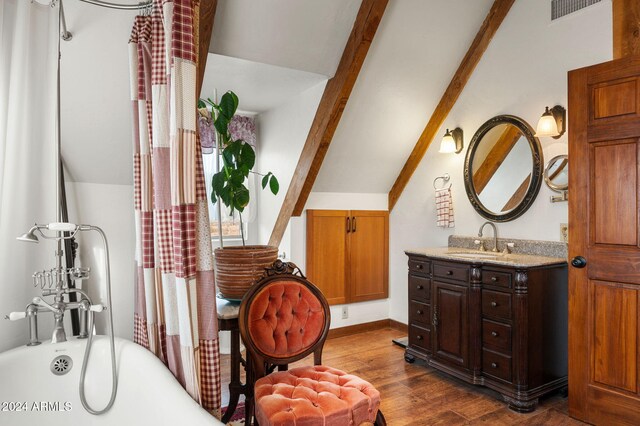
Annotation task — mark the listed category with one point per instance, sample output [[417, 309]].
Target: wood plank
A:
[[492, 22], [334, 99], [496, 157], [518, 195], [358, 328], [204, 30], [626, 28]]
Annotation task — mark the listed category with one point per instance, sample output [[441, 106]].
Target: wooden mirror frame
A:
[[536, 172]]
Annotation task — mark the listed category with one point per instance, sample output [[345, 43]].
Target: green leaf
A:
[[201, 104], [242, 198], [265, 180], [221, 124], [247, 156], [228, 104], [217, 182], [274, 185], [237, 178]]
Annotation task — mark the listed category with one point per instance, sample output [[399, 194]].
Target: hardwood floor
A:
[[413, 394]]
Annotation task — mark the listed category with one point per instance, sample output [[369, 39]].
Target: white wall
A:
[[109, 207], [282, 132], [523, 70], [359, 313]]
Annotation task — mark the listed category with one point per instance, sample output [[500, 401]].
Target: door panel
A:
[[614, 202], [615, 327], [451, 323], [604, 129], [369, 255], [327, 253]]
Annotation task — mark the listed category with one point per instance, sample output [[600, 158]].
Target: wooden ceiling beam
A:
[[491, 23], [205, 29], [332, 104], [626, 28], [496, 157]]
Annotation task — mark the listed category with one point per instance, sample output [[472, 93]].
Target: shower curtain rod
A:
[[141, 5]]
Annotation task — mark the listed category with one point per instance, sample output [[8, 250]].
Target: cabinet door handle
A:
[[494, 279], [353, 224], [494, 365], [494, 334], [494, 304], [348, 225]]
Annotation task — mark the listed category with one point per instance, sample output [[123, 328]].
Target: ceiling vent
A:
[[560, 8]]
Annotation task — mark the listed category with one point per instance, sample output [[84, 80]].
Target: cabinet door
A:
[[369, 255], [451, 323], [327, 252]]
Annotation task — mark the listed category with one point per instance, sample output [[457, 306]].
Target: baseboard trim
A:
[[400, 326], [367, 326]]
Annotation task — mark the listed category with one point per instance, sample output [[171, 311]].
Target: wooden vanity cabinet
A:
[[501, 327]]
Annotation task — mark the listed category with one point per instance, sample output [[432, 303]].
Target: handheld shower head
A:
[[30, 236]]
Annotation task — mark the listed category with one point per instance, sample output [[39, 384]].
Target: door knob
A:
[[578, 262]]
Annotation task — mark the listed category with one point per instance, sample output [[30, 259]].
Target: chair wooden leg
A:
[[380, 420]]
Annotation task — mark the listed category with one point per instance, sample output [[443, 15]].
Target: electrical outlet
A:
[[564, 232], [345, 312]]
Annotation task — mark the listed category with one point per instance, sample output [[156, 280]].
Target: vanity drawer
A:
[[419, 288], [419, 266], [419, 313], [496, 335], [452, 272], [496, 365], [420, 337], [496, 304], [497, 278]]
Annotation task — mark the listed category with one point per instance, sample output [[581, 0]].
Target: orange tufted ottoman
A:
[[316, 395]]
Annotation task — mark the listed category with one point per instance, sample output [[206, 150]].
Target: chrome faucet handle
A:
[[508, 248], [15, 316], [40, 302], [481, 244]]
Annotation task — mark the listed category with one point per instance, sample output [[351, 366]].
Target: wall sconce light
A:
[[451, 142], [552, 122]]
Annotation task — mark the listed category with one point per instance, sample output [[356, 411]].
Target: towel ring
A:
[[445, 178]]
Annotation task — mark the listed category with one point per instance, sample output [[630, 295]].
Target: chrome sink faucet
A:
[[495, 234]]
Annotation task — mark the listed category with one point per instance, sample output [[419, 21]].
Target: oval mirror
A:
[[503, 168], [556, 174]]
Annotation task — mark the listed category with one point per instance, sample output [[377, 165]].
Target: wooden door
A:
[[451, 323], [604, 277], [327, 252], [369, 255]]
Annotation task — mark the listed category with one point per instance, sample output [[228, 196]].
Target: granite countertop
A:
[[487, 257]]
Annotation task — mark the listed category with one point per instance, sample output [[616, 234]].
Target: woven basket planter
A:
[[238, 268]]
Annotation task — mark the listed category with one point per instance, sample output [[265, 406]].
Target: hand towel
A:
[[444, 208]]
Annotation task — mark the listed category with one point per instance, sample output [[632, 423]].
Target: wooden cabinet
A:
[[348, 254], [504, 328]]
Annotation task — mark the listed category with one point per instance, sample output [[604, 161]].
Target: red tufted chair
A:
[[283, 318]]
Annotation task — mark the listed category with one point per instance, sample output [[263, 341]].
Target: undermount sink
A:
[[476, 255]]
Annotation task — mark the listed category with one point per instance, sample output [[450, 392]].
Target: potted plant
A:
[[236, 268]]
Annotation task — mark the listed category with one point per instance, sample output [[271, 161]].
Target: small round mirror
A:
[[556, 174]]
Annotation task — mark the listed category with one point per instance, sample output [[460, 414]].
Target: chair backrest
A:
[[283, 317]]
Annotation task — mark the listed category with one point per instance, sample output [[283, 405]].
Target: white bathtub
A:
[[148, 394]]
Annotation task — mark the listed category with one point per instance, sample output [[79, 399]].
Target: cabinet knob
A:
[[494, 279], [494, 304], [419, 337], [449, 272], [494, 365], [494, 334], [419, 312], [419, 266], [419, 287]]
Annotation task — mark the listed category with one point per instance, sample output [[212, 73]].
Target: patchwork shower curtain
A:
[[175, 309]]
